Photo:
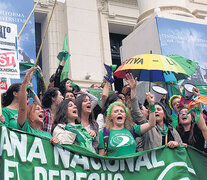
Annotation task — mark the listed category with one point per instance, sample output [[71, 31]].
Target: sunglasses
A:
[[183, 111]]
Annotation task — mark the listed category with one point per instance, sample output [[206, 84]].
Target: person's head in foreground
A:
[[118, 116]]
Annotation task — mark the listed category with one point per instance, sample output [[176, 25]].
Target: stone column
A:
[[148, 7]]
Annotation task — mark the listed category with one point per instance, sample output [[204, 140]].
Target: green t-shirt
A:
[[26, 127], [11, 117], [121, 142]]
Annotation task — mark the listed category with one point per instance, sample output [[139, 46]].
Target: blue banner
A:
[[17, 12], [185, 39]]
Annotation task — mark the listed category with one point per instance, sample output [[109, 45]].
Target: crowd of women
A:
[[67, 115]]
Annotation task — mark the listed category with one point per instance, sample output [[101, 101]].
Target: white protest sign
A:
[[8, 32]]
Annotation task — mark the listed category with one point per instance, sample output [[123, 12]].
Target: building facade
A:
[[96, 28]]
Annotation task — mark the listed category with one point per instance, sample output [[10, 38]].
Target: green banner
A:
[[97, 93], [24, 156]]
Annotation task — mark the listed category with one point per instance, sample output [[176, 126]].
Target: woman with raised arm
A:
[[188, 129], [30, 118], [163, 132], [121, 131], [175, 105]]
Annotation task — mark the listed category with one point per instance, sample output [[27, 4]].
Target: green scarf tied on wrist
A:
[[82, 136], [151, 108], [197, 111], [164, 130], [30, 92]]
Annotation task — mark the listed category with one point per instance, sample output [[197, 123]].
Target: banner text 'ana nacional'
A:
[[24, 156]]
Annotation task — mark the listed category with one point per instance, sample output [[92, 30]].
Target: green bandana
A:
[[114, 104], [152, 108], [197, 111], [30, 92], [82, 136], [75, 86], [164, 130]]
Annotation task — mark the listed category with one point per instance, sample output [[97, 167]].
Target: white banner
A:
[[9, 66], [8, 32]]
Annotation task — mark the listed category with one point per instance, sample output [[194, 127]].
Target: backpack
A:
[[106, 133]]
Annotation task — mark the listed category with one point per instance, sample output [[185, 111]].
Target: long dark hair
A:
[[79, 100], [167, 119], [61, 115], [47, 97], [180, 129], [62, 85], [111, 99], [8, 96]]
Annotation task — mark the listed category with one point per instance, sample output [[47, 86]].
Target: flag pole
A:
[[28, 19], [150, 75], [0, 101], [45, 33]]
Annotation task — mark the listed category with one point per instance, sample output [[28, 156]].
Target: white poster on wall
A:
[[8, 32]]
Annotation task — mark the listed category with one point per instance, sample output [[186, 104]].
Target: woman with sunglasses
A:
[[175, 105], [189, 130]]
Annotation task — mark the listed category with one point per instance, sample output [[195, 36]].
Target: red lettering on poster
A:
[[7, 59]]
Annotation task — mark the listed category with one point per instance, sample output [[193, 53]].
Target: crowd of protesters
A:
[[122, 126]]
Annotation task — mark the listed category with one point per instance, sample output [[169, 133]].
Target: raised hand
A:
[[28, 76], [150, 98], [131, 81], [196, 91]]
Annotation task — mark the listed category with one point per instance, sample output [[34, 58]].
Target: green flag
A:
[[25, 66], [65, 71], [75, 86], [175, 89], [64, 51]]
